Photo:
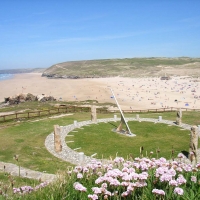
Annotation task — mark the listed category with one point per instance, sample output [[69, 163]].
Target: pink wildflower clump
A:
[[194, 179], [92, 196], [28, 189], [79, 187], [158, 192], [23, 190], [178, 191], [128, 177]]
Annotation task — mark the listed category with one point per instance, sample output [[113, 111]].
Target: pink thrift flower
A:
[[85, 170], [107, 193], [16, 190], [166, 178], [104, 185], [125, 194], [125, 169], [173, 183], [79, 175], [178, 191], [115, 182], [130, 188], [163, 160], [198, 165], [96, 190], [125, 164], [194, 179], [124, 183], [143, 176], [92, 196], [158, 192], [179, 169], [131, 170], [119, 160], [79, 187], [99, 180], [181, 180]]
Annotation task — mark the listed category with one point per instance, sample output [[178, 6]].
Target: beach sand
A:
[[131, 93]]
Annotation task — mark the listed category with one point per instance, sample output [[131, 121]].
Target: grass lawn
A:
[[102, 140]]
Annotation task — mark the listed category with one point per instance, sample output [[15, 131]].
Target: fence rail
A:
[[75, 109]]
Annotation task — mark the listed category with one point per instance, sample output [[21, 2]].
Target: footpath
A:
[[26, 173]]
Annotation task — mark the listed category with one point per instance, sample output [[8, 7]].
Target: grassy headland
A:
[[127, 67]]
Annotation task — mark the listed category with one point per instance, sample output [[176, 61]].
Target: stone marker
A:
[[115, 117], [179, 117], [193, 143], [137, 117], [81, 157], [75, 123], [93, 114], [57, 140], [160, 118]]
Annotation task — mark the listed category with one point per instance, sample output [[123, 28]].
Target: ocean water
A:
[[5, 76]]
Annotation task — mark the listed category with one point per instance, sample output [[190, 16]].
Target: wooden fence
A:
[[75, 109]]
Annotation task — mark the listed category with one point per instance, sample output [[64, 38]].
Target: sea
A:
[[5, 76]]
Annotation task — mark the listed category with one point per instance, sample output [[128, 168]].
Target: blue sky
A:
[[40, 33]]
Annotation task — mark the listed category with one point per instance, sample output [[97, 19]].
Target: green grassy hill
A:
[[127, 67]]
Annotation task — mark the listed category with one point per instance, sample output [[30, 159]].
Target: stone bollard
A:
[[179, 117], [137, 117], [160, 118], [57, 140], [193, 144], [81, 157], [115, 117], [75, 123], [93, 114]]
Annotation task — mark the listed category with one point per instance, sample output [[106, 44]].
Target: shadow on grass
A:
[[112, 124]]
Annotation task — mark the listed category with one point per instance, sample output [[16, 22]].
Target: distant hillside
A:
[[128, 67], [18, 71]]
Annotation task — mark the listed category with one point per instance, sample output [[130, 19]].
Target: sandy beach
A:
[[131, 93]]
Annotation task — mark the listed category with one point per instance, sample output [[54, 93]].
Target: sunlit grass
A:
[[102, 140]]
